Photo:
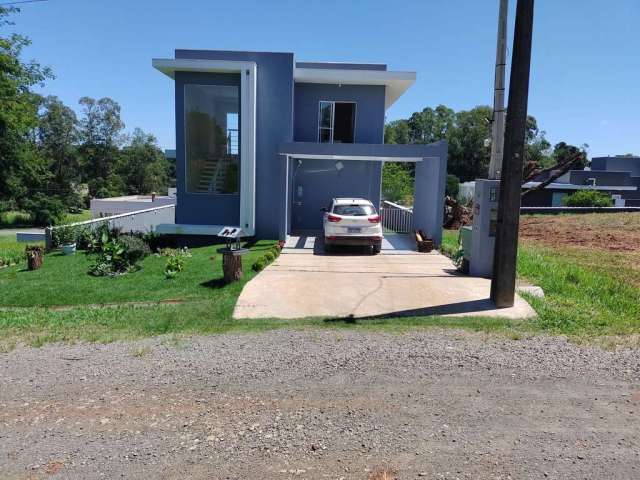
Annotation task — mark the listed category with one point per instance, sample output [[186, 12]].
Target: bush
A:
[[65, 235], [135, 248], [45, 210], [453, 186], [116, 254], [588, 198], [259, 264], [269, 257]]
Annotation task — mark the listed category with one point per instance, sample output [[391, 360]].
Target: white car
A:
[[352, 221]]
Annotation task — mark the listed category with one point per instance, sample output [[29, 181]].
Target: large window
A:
[[212, 138], [336, 122]]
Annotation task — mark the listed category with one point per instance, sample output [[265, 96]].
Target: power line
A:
[[21, 1]]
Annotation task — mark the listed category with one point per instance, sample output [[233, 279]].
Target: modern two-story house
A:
[[263, 142]]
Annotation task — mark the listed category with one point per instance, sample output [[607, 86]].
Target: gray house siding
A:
[[274, 124], [580, 177]]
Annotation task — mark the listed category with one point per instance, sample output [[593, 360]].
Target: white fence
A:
[[139, 221], [396, 218]]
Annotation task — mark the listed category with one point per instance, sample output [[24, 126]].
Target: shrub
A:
[[259, 264], [65, 235], [112, 260], [44, 209], [269, 257], [135, 248], [588, 198], [453, 186]]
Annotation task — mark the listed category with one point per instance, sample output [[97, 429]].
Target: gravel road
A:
[[321, 404]]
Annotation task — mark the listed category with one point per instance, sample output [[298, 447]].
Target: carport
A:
[[318, 172]]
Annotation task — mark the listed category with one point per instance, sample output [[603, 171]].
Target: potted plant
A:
[[67, 239]]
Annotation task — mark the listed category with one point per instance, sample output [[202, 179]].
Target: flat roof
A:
[[395, 82]]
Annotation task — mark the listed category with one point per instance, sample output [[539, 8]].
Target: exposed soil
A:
[[321, 404], [616, 232]]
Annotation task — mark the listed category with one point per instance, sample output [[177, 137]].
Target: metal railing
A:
[[396, 218], [137, 221]]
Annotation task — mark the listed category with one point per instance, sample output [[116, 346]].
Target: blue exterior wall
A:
[[617, 164], [369, 110], [319, 180], [274, 124], [603, 177]]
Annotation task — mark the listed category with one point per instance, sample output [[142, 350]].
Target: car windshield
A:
[[353, 210]]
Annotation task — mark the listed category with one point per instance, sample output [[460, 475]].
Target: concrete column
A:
[[430, 181], [485, 219]]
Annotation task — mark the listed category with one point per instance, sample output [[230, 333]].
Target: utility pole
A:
[[497, 127], [503, 282]]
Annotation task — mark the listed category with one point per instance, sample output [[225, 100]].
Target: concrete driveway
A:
[[304, 282]]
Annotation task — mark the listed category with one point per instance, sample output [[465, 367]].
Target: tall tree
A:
[[18, 115], [101, 136], [143, 166], [57, 134]]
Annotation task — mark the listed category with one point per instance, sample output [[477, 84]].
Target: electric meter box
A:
[[485, 224]]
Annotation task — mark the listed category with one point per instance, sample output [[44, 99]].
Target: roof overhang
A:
[[371, 158], [396, 83], [169, 66]]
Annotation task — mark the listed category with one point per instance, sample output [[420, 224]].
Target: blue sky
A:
[[585, 69]]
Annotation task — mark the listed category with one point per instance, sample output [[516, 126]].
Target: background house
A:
[[264, 142], [617, 176]]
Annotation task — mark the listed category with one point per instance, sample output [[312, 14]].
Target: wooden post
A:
[[231, 267], [503, 282], [48, 239]]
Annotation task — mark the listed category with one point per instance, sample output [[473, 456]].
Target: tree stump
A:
[[34, 257], [231, 267]]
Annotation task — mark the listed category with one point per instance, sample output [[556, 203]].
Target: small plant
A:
[[66, 235], [175, 261]]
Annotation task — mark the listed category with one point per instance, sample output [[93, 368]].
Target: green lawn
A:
[[10, 250], [587, 291], [63, 280], [588, 297], [18, 219]]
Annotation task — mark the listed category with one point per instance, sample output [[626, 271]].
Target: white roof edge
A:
[[571, 186], [169, 66], [370, 158], [396, 82]]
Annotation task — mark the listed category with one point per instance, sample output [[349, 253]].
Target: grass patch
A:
[[14, 219], [63, 280], [12, 251]]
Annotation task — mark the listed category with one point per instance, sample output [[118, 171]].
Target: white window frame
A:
[[333, 117]]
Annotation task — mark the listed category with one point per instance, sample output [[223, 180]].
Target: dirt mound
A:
[[617, 232]]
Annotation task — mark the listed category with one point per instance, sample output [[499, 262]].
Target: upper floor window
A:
[[212, 125], [336, 122]]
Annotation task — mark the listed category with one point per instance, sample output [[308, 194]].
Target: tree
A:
[[56, 136], [396, 132], [18, 115], [100, 135], [143, 166], [397, 184], [563, 152]]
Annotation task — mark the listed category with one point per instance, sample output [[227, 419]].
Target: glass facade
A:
[[212, 139]]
